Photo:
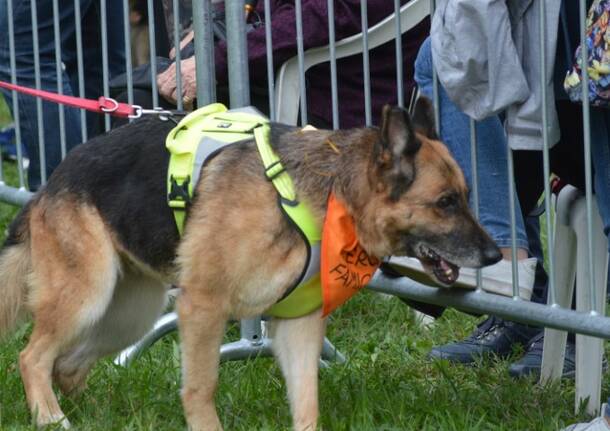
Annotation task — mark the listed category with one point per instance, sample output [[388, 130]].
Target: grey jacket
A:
[[487, 56]]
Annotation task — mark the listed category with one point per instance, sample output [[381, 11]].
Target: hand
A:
[[166, 82]]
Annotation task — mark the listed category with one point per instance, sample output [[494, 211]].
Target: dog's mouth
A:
[[443, 271]]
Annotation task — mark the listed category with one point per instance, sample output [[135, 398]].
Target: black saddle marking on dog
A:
[[124, 174]]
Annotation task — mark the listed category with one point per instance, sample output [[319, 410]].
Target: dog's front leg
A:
[[202, 323], [297, 344]]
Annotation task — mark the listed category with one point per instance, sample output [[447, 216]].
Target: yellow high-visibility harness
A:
[[206, 131]]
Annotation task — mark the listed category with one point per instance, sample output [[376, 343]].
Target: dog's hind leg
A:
[[297, 344], [74, 271]]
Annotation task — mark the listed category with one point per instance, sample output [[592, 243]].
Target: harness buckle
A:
[[178, 196], [274, 170]]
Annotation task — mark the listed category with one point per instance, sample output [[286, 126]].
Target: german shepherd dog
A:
[[91, 256]]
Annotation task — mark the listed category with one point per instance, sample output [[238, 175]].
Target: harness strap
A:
[[275, 172], [308, 297], [182, 143]]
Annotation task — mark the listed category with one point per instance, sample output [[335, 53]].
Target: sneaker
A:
[[531, 363], [493, 337], [597, 424], [496, 278]]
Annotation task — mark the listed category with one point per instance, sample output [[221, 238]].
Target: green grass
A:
[[386, 384], [5, 115]]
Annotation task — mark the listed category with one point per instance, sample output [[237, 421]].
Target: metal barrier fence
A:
[[287, 100]]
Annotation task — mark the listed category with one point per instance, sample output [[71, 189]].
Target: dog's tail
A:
[[15, 264]]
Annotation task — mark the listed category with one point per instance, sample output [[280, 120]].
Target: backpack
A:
[[598, 58]]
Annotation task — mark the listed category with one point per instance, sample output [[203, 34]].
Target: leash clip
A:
[[139, 112]]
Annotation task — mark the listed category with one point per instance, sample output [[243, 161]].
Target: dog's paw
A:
[[53, 420]]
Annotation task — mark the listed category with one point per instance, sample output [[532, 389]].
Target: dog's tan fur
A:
[[90, 296]]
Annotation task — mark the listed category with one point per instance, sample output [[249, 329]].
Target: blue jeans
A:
[[494, 212], [24, 57], [600, 155]]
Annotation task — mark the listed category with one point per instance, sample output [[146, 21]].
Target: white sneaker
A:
[[598, 424], [496, 278]]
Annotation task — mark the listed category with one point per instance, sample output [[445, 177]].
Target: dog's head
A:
[[419, 199]]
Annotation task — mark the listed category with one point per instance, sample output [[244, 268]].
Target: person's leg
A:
[[91, 34], [24, 57], [116, 38], [92, 58], [600, 156]]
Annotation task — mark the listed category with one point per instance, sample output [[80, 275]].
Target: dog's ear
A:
[[397, 132], [395, 153], [423, 118]]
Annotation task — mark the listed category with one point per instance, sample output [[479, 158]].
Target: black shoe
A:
[[493, 337], [531, 363]]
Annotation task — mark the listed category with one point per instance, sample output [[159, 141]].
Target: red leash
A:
[[103, 105]]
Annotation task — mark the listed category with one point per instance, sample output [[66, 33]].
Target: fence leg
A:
[[565, 273], [252, 342], [589, 350], [166, 324]]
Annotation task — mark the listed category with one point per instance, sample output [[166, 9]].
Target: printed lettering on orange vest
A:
[[346, 267]]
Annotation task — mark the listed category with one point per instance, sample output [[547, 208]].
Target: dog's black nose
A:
[[491, 255]]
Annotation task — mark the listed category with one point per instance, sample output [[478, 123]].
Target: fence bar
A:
[[365, 62], [127, 39], [239, 91], [484, 303], [152, 45], [105, 74], [239, 87], [513, 221], [270, 68], [204, 52], [41, 145], [545, 154], [398, 42], [474, 162], [435, 95], [60, 81], [587, 149], [300, 53], [13, 196], [80, 67], [178, 54], [16, 119], [333, 64]]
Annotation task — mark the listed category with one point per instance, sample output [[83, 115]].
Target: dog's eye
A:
[[446, 201]]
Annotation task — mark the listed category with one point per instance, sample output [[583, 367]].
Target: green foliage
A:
[[5, 115]]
